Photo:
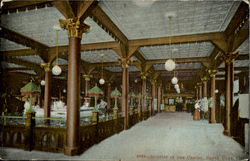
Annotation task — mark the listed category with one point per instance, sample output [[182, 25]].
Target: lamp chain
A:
[[102, 65], [170, 33], [56, 46]]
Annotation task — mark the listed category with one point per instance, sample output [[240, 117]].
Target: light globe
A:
[[42, 82], [101, 81], [170, 65], [56, 70], [174, 80]]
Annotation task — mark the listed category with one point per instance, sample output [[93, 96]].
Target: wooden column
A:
[[197, 92], [159, 99], [125, 84], [39, 96], [87, 79], [204, 92], [212, 75], [143, 92], [162, 95], [108, 94], [228, 59], [75, 29], [47, 92], [153, 97], [200, 91]]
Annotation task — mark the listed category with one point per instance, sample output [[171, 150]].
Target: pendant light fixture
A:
[[102, 81], [170, 64], [174, 80], [56, 70], [42, 82]]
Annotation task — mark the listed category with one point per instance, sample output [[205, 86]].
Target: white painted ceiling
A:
[[94, 56], [201, 49], [119, 68], [32, 72], [135, 21], [31, 58], [244, 47], [171, 74], [38, 24], [132, 69], [114, 68], [237, 63], [223, 72], [10, 65], [191, 17], [10, 45], [60, 61], [219, 78], [179, 66]]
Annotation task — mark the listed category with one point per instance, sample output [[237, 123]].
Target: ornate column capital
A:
[[87, 77], [143, 75], [199, 84], [74, 26], [204, 79], [153, 81], [212, 72], [46, 66], [229, 57], [124, 62]]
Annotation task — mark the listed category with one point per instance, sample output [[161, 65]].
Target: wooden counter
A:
[[170, 108]]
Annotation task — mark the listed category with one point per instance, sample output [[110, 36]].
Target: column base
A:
[[213, 122], [226, 132], [71, 151]]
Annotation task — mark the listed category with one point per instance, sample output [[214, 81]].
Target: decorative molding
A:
[[74, 27], [229, 57], [46, 66]]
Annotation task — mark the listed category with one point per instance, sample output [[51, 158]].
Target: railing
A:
[[49, 133], [51, 139], [13, 136], [94, 133], [133, 119], [146, 115]]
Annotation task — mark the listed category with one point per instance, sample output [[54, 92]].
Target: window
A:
[[171, 101]]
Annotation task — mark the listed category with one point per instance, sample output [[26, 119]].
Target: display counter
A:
[[170, 108]]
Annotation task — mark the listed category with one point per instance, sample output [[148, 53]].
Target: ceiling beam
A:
[[91, 46], [25, 63], [18, 52], [100, 17], [235, 69], [241, 14], [241, 36], [178, 39], [65, 8], [242, 57], [12, 6], [214, 53], [26, 41], [139, 56]]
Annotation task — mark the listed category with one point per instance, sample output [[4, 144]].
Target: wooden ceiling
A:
[[121, 29]]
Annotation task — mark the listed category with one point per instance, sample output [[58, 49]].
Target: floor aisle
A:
[[166, 136]]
